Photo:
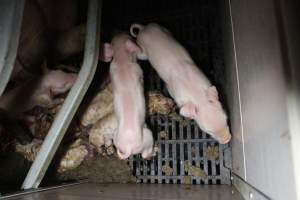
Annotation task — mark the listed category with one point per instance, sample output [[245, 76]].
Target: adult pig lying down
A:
[[132, 135], [191, 89]]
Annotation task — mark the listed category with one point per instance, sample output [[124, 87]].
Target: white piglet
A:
[[132, 136], [191, 89], [39, 91]]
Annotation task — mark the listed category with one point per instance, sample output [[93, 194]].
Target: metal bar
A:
[[205, 162], [74, 98], [159, 157], [213, 166], [174, 152], [225, 163], [41, 189], [197, 156], [248, 191], [10, 26], [153, 159]]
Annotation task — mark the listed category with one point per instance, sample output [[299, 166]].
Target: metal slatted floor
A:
[[184, 147]]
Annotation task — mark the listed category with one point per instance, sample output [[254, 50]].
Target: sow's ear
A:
[[106, 52], [132, 47], [212, 94]]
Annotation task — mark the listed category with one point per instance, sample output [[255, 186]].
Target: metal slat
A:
[[174, 156], [213, 166], [74, 98], [152, 160], [159, 157], [197, 159]]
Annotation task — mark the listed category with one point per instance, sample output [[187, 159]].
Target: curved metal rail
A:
[[10, 26], [74, 98]]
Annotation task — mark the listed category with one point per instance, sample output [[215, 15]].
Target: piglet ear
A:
[[106, 52], [189, 110], [132, 47], [212, 94]]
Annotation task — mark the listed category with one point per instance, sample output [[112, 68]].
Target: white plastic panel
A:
[[261, 80], [10, 28], [289, 11]]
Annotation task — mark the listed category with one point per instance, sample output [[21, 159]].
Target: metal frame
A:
[[256, 63], [74, 98], [182, 146], [248, 192], [92, 191], [10, 27], [41, 189]]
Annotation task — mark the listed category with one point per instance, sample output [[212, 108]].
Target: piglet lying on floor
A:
[[38, 91], [132, 135], [190, 88]]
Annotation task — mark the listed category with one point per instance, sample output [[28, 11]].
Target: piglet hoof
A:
[[148, 154], [122, 155], [225, 140]]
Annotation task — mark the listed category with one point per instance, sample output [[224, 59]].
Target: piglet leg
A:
[[147, 143]]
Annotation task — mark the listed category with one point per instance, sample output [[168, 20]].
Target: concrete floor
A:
[[136, 192]]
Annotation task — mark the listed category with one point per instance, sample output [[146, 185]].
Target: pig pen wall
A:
[[261, 79]]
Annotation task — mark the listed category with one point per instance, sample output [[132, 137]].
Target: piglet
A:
[[191, 89], [132, 135], [39, 91]]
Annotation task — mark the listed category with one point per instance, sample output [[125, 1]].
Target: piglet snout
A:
[[70, 80], [59, 82], [145, 146], [127, 151], [128, 144], [223, 136]]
